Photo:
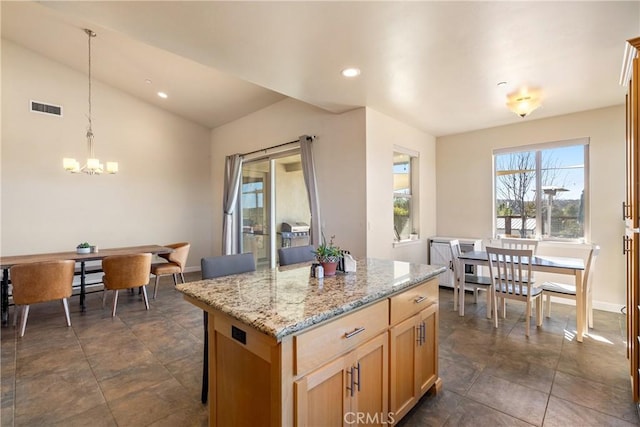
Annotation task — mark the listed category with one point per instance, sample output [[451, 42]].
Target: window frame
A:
[[538, 149], [413, 196]]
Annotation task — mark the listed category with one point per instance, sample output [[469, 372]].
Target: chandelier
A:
[[523, 102], [93, 165]]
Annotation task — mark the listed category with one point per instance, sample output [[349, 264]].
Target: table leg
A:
[[5, 296], [83, 283], [581, 309]]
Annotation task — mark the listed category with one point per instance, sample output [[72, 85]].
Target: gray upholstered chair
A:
[[40, 282], [177, 261], [212, 267], [126, 272], [295, 254]]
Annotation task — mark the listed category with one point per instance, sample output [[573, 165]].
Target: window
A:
[[540, 191], [405, 204]]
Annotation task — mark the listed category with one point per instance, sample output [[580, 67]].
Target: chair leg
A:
[[455, 294], [539, 313], [182, 277], [23, 320], [547, 305], [115, 303], [144, 296], [155, 287], [590, 310], [66, 311], [495, 309], [489, 304], [205, 360], [175, 279], [475, 295], [528, 317]]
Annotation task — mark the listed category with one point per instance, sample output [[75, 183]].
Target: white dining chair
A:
[[519, 243], [463, 281], [510, 273], [568, 290]]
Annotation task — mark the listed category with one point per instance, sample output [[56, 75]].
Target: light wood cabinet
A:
[[348, 389], [366, 367], [631, 212], [414, 359]]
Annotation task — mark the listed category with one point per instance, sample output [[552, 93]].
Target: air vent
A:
[[41, 107]]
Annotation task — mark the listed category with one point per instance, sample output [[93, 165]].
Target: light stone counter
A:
[[285, 300]]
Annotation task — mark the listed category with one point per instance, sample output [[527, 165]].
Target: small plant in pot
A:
[[328, 255], [83, 248]]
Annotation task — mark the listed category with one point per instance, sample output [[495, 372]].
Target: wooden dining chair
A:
[[212, 267], [176, 262], [510, 273], [463, 281], [126, 272], [41, 282], [568, 290], [295, 254]]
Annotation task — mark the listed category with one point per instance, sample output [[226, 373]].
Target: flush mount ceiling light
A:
[[93, 165], [351, 72], [523, 102]]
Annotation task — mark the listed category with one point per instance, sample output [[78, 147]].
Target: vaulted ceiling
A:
[[433, 65]]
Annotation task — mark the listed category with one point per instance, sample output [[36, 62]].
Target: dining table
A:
[[6, 262], [559, 265]]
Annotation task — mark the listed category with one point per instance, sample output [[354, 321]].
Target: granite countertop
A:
[[284, 300]]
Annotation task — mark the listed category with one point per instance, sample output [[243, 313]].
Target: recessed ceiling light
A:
[[501, 84], [351, 72], [148, 81], [163, 95]]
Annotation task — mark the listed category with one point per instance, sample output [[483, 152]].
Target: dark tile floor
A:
[[143, 368]]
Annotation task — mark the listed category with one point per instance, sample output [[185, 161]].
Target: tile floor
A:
[[143, 368]]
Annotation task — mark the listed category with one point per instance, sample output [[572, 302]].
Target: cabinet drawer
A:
[[314, 347], [413, 300]]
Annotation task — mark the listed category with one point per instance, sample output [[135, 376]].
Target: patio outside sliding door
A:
[[273, 191]]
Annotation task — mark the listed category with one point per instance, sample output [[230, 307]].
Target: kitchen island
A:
[[288, 349]]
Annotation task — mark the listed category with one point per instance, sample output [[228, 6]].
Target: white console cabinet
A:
[[440, 254]]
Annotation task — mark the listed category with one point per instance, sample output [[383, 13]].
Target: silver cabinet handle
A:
[[350, 386], [358, 381], [418, 300], [355, 332]]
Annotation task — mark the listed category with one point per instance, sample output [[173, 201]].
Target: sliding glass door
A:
[[273, 192]]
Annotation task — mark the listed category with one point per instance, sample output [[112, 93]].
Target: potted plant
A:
[[328, 255], [83, 248]]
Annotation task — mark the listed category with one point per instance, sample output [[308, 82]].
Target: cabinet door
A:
[[371, 397], [322, 397], [631, 211], [403, 341], [414, 359], [427, 349], [440, 254]]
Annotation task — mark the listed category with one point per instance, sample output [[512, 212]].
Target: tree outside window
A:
[[541, 192]]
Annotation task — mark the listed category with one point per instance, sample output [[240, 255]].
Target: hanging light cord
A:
[[90, 130]]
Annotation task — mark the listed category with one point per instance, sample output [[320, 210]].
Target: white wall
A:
[[464, 175], [383, 132], [339, 153], [162, 193]]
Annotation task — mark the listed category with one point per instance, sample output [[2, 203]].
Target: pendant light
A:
[[93, 165]]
